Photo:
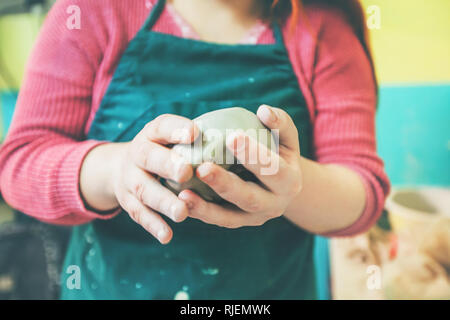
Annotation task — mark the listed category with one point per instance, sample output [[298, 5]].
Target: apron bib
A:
[[160, 73]]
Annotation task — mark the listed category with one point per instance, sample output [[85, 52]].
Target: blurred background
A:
[[406, 256]]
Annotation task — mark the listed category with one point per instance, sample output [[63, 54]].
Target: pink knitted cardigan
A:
[[70, 70]]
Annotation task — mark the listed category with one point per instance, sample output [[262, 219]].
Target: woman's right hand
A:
[[126, 174]]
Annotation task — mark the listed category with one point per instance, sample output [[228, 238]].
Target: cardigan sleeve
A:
[[344, 96], [40, 159]]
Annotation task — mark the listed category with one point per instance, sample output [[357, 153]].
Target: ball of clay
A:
[[210, 146]]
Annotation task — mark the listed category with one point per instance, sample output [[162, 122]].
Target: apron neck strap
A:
[[154, 15], [277, 33]]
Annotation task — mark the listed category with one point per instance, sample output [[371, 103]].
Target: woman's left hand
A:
[[253, 204]]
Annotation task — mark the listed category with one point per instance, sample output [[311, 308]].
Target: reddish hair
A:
[[282, 10]]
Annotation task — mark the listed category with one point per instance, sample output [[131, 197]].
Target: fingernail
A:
[[204, 173], [236, 142], [268, 113], [180, 169], [177, 211], [162, 233], [185, 134], [179, 135]]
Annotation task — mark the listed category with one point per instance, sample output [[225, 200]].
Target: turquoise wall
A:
[[413, 133]]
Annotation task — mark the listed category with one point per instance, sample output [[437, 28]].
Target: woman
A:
[[98, 109]]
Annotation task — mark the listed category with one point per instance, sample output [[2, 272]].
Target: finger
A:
[[147, 218], [221, 216], [151, 193], [171, 129], [278, 119], [160, 160], [248, 196], [271, 169]]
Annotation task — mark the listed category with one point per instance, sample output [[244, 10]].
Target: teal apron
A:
[[118, 259]]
